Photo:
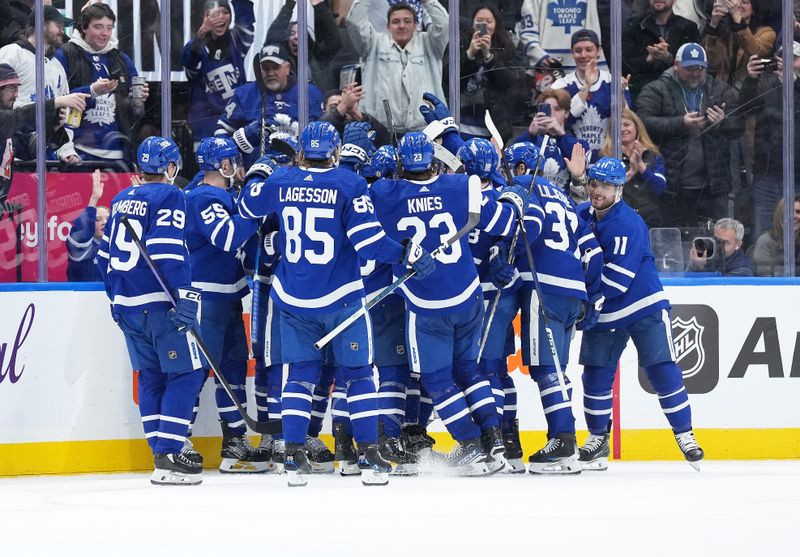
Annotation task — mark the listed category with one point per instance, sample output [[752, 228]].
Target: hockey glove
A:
[[186, 313], [248, 137], [500, 271], [271, 243], [261, 169], [517, 196], [591, 312], [357, 142], [438, 113], [418, 259]]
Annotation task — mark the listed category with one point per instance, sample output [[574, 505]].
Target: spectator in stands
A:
[[14, 17], [21, 55], [590, 89], [729, 258], [508, 11], [547, 26], [650, 42], [733, 35], [267, 105], [347, 110], [561, 145], [768, 253], [685, 111], [646, 178], [401, 64], [762, 96], [95, 65], [487, 74], [85, 235], [214, 62], [322, 48]]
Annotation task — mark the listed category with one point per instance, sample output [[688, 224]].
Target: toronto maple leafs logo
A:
[[591, 127], [567, 14], [103, 112]]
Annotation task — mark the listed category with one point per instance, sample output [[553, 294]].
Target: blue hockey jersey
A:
[[214, 70], [630, 281], [552, 228], [214, 234], [82, 247], [326, 222], [430, 212], [555, 168], [157, 212]]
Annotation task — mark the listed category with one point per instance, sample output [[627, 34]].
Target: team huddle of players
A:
[[425, 269]]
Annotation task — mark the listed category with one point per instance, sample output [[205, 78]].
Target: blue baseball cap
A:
[[692, 54]]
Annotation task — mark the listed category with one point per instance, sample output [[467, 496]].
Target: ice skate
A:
[[415, 440], [278, 455], [405, 463], [264, 451], [176, 469], [492, 442], [189, 452], [514, 462], [296, 465], [691, 450], [345, 451], [559, 456], [374, 469], [238, 456], [468, 459], [593, 455], [319, 457]]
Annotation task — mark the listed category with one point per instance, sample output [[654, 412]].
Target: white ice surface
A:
[[635, 508]]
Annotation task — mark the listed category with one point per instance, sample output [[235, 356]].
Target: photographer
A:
[[727, 257]]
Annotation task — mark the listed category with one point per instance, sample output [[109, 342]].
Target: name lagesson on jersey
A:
[[301, 194]]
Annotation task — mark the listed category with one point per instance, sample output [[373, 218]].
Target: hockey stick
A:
[[388, 110], [472, 221], [258, 427], [497, 139], [255, 300]]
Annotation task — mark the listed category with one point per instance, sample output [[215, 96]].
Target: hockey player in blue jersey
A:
[[326, 222], [444, 314], [215, 232], [85, 235], [635, 307], [171, 371], [214, 62]]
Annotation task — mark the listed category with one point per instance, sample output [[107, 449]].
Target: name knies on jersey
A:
[[423, 204], [301, 194]]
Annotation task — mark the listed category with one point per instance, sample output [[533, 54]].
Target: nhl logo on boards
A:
[[695, 341], [172, 355]]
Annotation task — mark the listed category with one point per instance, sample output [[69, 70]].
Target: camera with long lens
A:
[[706, 247]]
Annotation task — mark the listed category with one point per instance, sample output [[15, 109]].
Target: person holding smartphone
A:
[[487, 74]]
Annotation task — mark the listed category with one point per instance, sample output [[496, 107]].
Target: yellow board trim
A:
[[133, 455]]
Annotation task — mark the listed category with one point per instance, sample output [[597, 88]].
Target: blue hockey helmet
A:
[[155, 153], [319, 140], [282, 147], [479, 157], [383, 163], [608, 170], [416, 152], [213, 150], [523, 152]]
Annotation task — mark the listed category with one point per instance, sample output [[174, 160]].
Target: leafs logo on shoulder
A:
[[567, 14]]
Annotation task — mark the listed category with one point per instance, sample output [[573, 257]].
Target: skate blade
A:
[[496, 466], [346, 469], [236, 466], [565, 467], [695, 465], [371, 477], [407, 469], [514, 466], [168, 477], [471, 470], [295, 479], [322, 467], [596, 465], [277, 467]]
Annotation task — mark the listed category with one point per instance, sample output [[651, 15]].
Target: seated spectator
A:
[[650, 42], [733, 35], [547, 26], [214, 62], [95, 65], [762, 96], [85, 235], [685, 111], [322, 48], [347, 110], [21, 55], [561, 145], [271, 102], [645, 180], [768, 253], [590, 89], [487, 74], [14, 17], [401, 64], [729, 258]]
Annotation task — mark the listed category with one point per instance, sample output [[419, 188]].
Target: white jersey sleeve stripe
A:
[[621, 270], [169, 241], [370, 240], [613, 284], [361, 227]]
